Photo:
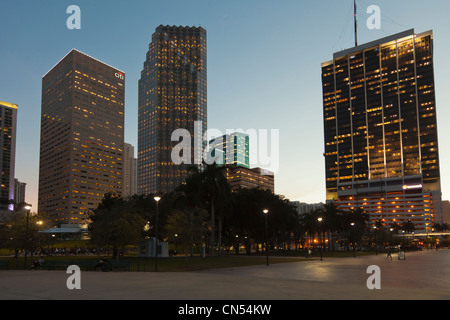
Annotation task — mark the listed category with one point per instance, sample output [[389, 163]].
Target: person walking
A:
[[389, 254]]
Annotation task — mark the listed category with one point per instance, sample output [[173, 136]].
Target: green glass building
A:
[[231, 149]]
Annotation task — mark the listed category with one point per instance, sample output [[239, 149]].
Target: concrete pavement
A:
[[423, 275]]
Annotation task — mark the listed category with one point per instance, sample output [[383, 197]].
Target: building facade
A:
[[172, 96], [82, 137], [231, 149], [304, 208], [8, 128], [19, 191], [129, 171], [381, 144], [446, 211], [245, 178]]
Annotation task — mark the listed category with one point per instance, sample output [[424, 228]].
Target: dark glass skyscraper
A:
[[381, 144], [8, 128], [82, 137], [172, 95]]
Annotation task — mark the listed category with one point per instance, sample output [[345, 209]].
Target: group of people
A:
[[102, 264], [68, 251]]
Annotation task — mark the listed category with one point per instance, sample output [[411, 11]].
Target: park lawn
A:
[[170, 264], [181, 263], [196, 263]]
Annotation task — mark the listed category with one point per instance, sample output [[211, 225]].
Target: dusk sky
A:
[[264, 59]]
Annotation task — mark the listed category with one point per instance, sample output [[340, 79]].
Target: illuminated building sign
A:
[[416, 186]]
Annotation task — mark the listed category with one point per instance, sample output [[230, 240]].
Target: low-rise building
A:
[[249, 178]]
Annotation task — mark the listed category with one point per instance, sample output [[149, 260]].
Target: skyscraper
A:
[[381, 144], [82, 137], [19, 191], [172, 95], [129, 171], [231, 149], [8, 124]]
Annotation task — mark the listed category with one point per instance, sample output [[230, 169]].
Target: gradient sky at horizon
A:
[[264, 60]]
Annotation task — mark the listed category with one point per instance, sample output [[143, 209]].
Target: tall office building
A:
[[129, 171], [446, 211], [19, 191], [82, 137], [231, 149], [381, 144], [8, 127], [172, 95]]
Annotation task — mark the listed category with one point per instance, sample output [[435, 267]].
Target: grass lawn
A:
[[171, 264], [182, 264]]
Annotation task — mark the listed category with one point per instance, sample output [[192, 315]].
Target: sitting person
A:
[[102, 264], [39, 263]]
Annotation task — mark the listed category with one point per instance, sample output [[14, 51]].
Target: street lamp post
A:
[[53, 242], [320, 231], [28, 208], [353, 236], [376, 239], [176, 243], [156, 231], [266, 212]]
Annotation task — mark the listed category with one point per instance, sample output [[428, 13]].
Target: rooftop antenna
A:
[[356, 24]]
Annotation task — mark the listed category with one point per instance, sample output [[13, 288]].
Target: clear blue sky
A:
[[264, 61]]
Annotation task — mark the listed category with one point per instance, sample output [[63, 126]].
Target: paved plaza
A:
[[424, 275]]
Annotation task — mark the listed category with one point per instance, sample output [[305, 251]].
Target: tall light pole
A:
[[376, 238], [156, 231], [266, 213], [176, 243], [353, 238], [320, 231], [28, 208]]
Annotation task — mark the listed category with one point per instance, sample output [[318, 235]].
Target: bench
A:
[[4, 265]]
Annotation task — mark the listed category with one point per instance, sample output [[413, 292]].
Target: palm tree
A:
[[378, 231], [333, 221], [395, 226], [218, 190], [190, 196], [441, 227], [208, 183], [310, 222], [408, 226], [355, 224]]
